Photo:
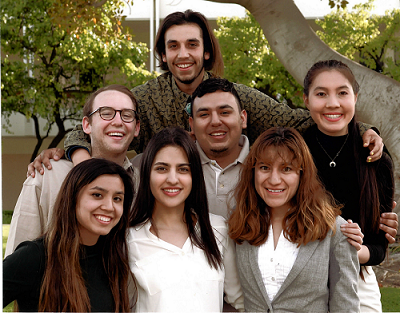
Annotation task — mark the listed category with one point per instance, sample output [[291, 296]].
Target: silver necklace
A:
[[333, 163]]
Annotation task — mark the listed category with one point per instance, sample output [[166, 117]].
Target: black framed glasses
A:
[[108, 113]]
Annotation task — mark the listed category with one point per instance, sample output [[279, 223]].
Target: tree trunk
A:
[[298, 48], [38, 138]]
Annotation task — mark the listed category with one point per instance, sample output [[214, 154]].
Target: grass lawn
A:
[[390, 296]]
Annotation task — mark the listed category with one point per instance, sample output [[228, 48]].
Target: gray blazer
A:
[[323, 278]]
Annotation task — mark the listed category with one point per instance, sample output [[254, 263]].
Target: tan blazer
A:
[[323, 278]]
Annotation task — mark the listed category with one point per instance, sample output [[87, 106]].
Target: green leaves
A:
[[369, 39], [250, 61], [56, 52]]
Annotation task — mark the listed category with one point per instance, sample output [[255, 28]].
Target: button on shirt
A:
[[220, 182], [275, 264], [173, 279]]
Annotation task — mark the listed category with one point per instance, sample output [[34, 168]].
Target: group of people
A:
[[293, 223]]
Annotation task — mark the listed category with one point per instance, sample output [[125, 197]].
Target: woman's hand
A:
[[353, 233]]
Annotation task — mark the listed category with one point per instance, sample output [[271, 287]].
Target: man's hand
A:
[[44, 157], [375, 144], [389, 224]]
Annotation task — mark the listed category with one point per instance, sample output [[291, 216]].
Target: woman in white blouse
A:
[[182, 257], [291, 254]]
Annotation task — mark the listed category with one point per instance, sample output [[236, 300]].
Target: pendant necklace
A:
[[333, 163]]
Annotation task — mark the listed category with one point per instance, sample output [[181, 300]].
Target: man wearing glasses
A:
[[111, 121]]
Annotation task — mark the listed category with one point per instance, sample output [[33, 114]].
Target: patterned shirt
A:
[[161, 103]]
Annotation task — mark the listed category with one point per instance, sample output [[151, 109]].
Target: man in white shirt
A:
[[217, 119], [110, 133]]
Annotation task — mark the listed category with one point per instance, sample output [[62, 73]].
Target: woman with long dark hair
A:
[[365, 190], [81, 262], [181, 256], [291, 255]]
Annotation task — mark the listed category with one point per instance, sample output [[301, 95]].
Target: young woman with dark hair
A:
[[366, 190], [181, 256], [81, 262], [291, 255]]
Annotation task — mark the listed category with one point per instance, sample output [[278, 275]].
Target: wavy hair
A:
[[215, 63], [67, 292], [313, 211], [144, 204]]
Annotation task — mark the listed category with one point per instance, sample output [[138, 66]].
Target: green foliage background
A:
[[71, 50], [371, 40]]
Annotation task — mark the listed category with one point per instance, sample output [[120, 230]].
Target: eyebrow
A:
[[166, 164], [325, 88], [105, 190], [221, 107], [188, 40]]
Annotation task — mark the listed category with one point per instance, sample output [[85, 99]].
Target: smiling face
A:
[[170, 178], [184, 54], [217, 124], [331, 102], [276, 178], [99, 207], [111, 139]]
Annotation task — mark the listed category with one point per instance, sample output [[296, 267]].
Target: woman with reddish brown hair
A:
[[291, 254]]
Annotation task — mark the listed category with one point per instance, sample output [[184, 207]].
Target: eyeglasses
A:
[[108, 113]]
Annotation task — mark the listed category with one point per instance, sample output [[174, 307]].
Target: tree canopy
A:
[[54, 53], [364, 37], [369, 39]]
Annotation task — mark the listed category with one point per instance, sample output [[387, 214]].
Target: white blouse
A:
[[173, 279], [275, 264]]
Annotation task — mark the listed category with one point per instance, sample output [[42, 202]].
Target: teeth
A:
[[183, 65], [103, 218], [171, 190], [275, 191], [115, 134], [217, 134], [332, 115]]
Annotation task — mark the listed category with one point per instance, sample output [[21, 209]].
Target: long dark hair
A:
[[196, 201], [313, 211], [215, 63], [63, 288], [374, 194]]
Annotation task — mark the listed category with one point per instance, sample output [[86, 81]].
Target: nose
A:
[[172, 177], [333, 102], [108, 204], [215, 120], [275, 177], [183, 52], [117, 120]]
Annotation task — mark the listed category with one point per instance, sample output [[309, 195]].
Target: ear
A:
[[191, 125], [137, 129], [164, 58], [243, 117], [305, 99], [87, 128], [355, 99], [206, 55]]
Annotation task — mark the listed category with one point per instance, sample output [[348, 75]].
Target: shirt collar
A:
[[243, 142], [179, 94]]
